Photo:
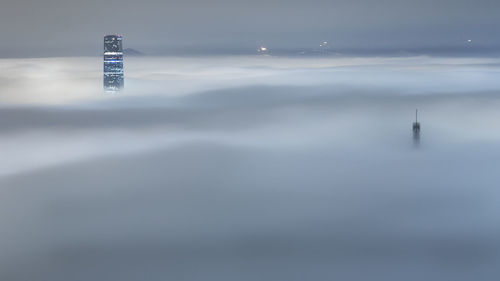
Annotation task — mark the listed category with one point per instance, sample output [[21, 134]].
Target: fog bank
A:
[[245, 168]]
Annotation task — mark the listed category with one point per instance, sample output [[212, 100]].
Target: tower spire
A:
[[416, 128]]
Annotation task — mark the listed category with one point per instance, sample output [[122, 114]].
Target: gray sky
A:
[[75, 26]]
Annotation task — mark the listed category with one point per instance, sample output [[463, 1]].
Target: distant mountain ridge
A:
[[132, 52]]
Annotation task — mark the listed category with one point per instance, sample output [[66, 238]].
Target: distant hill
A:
[[132, 52]]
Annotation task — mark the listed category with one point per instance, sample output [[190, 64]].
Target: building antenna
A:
[[416, 115]]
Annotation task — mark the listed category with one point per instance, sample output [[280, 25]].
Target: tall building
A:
[[416, 128], [113, 63]]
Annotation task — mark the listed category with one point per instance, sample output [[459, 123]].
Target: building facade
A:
[[113, 63]]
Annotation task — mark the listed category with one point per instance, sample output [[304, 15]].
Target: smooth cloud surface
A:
[[241, 168]]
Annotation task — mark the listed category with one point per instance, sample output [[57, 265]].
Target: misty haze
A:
[[237, 140], [250, 168]]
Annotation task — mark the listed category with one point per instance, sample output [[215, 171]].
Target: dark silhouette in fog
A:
[[416, 129]]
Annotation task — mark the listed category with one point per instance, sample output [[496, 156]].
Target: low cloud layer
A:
[[241, 169]]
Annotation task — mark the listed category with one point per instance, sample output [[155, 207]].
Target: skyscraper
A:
[[113, 63], [416, 129]]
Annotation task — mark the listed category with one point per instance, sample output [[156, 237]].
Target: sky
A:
[[250, 168], [55, 27]]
